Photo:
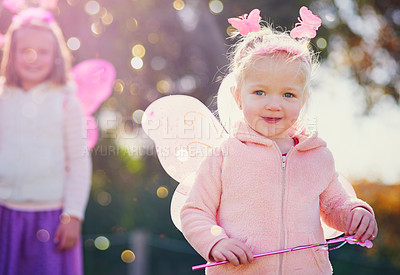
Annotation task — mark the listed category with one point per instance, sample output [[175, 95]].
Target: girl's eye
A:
[[288, 95], [260, 93]]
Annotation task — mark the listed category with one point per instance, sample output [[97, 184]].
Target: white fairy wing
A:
[[329, 232], [184, 131]]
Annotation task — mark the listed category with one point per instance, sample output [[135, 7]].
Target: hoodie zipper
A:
[[283, 189]]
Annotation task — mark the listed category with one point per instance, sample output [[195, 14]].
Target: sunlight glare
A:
[[138, 50], [137, 116], [101, 243], [178, 5], [216, 6], [73, 43], [162, 192], [137, 63], [92, 7], [127, 256]]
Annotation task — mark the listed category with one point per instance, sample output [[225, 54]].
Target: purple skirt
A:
[[27, 247]]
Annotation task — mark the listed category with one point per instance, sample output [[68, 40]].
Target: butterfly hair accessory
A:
[[17, 5], [307, 26], [247, 23]]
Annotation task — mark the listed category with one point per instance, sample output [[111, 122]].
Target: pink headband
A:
[[272, 48], [31, 14], [306, 27]]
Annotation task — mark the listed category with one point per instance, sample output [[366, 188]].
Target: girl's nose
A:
[[30, 55], [273, 105]]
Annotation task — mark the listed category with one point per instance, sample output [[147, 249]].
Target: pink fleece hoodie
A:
[[268, 202]]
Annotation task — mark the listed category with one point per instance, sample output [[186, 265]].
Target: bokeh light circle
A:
[[104, 198], [137, 116], [162, 192], [216, 6], [119, 86], [321, 43], [43, 235], [101, 243], [92, 7], [163, 86], [73, 43], [158, 63], [136, 63], [138, 50], [178, 5], [127, 256]]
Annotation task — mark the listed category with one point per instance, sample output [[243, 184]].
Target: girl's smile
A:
[[272, 120]]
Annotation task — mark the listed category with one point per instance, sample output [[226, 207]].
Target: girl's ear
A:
[[236, 95]]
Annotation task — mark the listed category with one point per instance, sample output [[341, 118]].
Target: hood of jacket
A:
[[245, 133]]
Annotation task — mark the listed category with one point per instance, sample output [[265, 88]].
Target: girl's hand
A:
[[231, 250], [68, 233], [362, 224]]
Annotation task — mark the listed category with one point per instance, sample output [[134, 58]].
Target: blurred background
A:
[[163, 47]]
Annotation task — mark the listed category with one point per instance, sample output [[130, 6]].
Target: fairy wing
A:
[[184, 132], [92, 131], [94, 79]]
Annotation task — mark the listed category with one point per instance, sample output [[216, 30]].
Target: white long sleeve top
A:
[[44, 160]]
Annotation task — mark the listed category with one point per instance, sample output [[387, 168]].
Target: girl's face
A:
[[34, 56], [272, 95]]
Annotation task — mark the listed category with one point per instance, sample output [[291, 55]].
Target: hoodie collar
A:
[[245, 133]]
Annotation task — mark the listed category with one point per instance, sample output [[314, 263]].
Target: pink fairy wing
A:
[[94, 79], [2, 39], [303, 31], [308, 18], [184, 132], [329, 232], [92, 131]]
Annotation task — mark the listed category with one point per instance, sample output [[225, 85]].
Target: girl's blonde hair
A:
[[62, 60], [265, 42]]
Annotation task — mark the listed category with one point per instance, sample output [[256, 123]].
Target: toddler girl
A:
[[270, 183], [45, 171]]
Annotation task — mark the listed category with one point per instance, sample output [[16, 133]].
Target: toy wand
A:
[[342, 240]]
